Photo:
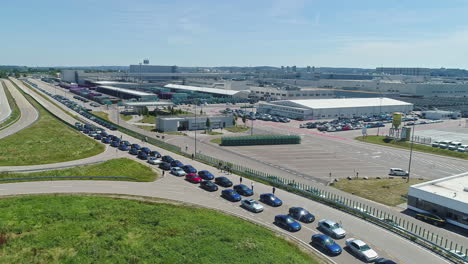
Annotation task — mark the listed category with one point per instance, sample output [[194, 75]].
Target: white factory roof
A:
[[202, 89], [452, 190], [344, 102], [112, 83], [127, 91]]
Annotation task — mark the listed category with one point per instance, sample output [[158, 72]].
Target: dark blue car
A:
[[146, 150], [384, 261], [167, 159], [301, 214], [98, 137], [287, 222], [270, 199], [156, 154], [189, 169], [115, 144], [176, 163], [133, 151], [231, 195], [123, 147], [142, 155], [136, 146], [326, 244], [243, 190], [223, 181], [106, 140], [206, 175]]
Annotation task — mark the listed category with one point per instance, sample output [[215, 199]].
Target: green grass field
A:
[[417, 147], [148, 119], [125, 117], [387, 191], [15, 112], [46, 141], [101, 114], [78, 229], [149, 128], [122, 167], [216, 141], [214, 133], [237, 129]]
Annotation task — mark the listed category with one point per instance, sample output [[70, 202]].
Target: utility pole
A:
[[380, 109], [411, 154], [196, 124]]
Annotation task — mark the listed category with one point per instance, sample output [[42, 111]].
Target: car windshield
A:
[[328, 242], [365, 248], [289, 220], [303, 212], [335, 226]]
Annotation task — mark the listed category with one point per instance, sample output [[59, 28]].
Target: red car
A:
[[193, 178]]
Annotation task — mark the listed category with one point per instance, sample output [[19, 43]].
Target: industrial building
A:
[[273, 93], [171, 124], [404, 71], [211, 91], [446, 197], [127, 93], [313, 109], [144, 68], [439, 115]]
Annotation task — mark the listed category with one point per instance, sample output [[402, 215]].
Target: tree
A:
[[244, 119], [234, 120], [208, 124]]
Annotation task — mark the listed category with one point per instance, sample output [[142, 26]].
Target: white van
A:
[[454, 145], [398, 172], [463, 148]]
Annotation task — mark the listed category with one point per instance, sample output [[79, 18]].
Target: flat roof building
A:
[[211, 91], [126, 93], [446, 197], [313, 109]]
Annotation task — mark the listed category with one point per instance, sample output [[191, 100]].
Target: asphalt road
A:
[[29, 114], [5, 109], [386, 243]]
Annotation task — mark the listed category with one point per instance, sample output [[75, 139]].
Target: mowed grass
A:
[[216, 141], [149, 119], [122, 167], [149, 128], [101, 114], [417, 147], [77, 229], [237, 129], [125, 117], [46, 141], [387, 191]]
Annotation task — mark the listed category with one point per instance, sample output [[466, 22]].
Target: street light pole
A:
[[411, 154], [196, 124]]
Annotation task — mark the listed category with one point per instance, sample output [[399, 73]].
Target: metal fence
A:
[[391, 222]]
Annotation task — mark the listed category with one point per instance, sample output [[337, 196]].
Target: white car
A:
[[252, 205], [177, 171], [154, 160], [361, 249], [463, 148], [398, 172], [331, 228]]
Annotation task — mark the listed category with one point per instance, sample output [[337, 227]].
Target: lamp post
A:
[[411, 154], [196, 124], [380, 109]]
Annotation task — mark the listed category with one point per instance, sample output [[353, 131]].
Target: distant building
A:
[[404, 71], [313, 109], [273, 94], [144, 68], [175, 123], [446, 197], [439, 115]]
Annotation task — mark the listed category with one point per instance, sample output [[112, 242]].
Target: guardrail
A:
[[69, 177], [393, 223]]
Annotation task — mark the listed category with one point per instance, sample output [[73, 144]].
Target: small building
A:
[[174, 123], [439, 114], [446, 197], [313, 109], [216, 92]]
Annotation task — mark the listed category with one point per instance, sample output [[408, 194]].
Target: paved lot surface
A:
[[29, 114], [218, 152], [5, 110]]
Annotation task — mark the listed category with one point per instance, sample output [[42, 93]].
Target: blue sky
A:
[[357, 33]]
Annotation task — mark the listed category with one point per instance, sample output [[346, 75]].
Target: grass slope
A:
[[391, 192], [15, 112], [122, 167], [125, 117], [101, 114], [46, 141], [417, 147], [237, 129], [73, 229]]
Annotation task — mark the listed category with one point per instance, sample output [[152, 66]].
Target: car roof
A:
[[358, 242], [267, 194], [330, 222]]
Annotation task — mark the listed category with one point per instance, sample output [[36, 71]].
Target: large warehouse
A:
[[446, 197], [313, 109]]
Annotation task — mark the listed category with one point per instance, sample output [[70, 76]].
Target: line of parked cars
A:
[[256, 115], [450, 145]]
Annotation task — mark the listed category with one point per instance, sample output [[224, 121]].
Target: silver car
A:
[[177, 171], [361, 249], [252, 205], [331, 228]]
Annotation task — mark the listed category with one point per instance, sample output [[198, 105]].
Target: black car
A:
[[223, 181], [106, 140], [142, 155], [384, 261], [243, 190], [164, 166], [123, 147], [156, 154], [126, 143], [133, 151], [301, 214], [104, 134], [431, 218], [167, 159], [136, 146], [98, 137], [209, 186]]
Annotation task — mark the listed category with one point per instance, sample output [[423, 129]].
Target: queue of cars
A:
[[255, 115], [450, 145]]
